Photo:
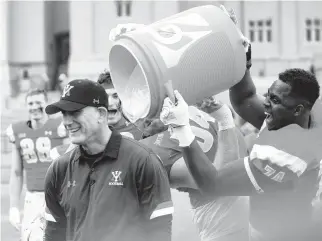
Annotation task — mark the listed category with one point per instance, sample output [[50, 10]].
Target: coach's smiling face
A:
[[82, 125], [281, 106]]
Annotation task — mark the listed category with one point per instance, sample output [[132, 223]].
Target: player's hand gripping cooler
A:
[[200, 50]]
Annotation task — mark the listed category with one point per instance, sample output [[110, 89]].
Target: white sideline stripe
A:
[[251, 176], [278, 157], [49, 217], [162, 212]]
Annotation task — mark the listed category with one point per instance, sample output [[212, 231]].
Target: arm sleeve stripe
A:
[[162, 212], [166, 204], [251, 176], [49, 217], [54, 154], [278, 157]]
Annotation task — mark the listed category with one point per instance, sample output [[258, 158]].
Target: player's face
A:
[[36, 106], [114, 107], [279, 106], [82, 125], [153, 126]]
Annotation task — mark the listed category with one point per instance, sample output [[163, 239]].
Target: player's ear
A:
[[299, 109], [102, 114]]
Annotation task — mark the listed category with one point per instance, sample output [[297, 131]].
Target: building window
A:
[[269, 30], [123, 8], [128, 7], [260, 30], [313, 28], [251, 31]]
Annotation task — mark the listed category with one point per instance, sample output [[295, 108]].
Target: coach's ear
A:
[[103, 113], [299, 110]]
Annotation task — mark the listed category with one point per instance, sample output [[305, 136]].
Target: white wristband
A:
[[183, 134], [224, 117]]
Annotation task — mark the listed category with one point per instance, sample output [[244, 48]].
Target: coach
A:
[[109, 187]]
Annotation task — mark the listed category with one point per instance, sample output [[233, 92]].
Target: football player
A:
[[116, 118], [32, 141], [216, 219], [281, 173]]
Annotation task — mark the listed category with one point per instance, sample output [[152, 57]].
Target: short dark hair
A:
[[105, 79], [303, 83], [37, 91]]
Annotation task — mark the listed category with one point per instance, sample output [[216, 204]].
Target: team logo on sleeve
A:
[[116, 179], [21, 135], [159, 139], [48, 133]]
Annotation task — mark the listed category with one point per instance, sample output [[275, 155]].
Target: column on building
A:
[[163, 9], [27, 40], [86, 59], [4, 69], [288, 31]]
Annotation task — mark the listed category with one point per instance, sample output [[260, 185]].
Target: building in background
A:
[[71, 37]]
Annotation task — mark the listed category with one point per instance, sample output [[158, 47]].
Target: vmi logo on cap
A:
[[66, 91], [116, 179]]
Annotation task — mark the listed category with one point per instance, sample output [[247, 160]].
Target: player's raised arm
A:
[[55, 229], [244, 177], [245, 101], [239, 178], [227, 132], [243, 95], [231, 180]]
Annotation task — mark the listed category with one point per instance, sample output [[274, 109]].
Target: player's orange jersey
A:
[[34, 146], [216, 219], [205, 129], [289, 157]]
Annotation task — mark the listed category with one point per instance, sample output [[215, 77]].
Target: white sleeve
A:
[[10, 134]]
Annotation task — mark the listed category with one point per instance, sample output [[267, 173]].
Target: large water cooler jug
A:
[[200, 50]]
